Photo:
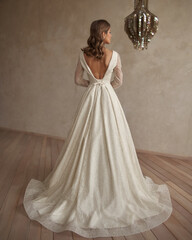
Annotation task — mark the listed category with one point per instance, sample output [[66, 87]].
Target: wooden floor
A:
[[25, 156]]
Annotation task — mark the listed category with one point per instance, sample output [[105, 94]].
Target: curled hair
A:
[[95, 40]]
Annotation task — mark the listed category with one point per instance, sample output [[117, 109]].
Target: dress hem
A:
[[138, 227]]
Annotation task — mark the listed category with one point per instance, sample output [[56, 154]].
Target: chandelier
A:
[[141, 25]]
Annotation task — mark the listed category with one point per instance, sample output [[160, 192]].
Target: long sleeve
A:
[[78, 78], [118, 74]]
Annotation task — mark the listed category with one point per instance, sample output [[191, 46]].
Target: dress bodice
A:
[[108, 73], [114, 67]]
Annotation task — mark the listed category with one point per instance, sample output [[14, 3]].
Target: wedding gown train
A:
[[97, 188]]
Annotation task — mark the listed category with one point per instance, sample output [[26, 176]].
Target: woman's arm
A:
[[118, 77], [78, 78]]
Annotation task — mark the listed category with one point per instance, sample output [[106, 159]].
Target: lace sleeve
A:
[[78, 78], [118, 77]]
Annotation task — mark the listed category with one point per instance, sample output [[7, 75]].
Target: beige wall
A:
[[39, 45]]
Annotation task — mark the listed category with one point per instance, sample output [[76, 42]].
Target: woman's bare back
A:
[[99, 67]]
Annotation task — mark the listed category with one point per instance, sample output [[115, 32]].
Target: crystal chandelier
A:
[[141, 25]]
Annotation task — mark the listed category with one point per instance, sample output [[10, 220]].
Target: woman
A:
[[97, 188]]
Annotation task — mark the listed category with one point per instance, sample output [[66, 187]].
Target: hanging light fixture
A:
[[141, 25]]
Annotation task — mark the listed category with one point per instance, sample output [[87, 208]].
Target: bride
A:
[[96, 187]]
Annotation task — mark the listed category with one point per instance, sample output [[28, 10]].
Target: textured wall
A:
[[39, 45]]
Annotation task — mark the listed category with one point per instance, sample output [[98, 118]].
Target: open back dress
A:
[[96, 187]]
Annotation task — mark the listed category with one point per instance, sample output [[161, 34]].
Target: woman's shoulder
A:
[[111, 52], [108, 52]]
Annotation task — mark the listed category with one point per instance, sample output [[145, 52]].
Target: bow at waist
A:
[[100, 83]]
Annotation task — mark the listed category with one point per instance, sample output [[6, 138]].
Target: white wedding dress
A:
[[97, 188]]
